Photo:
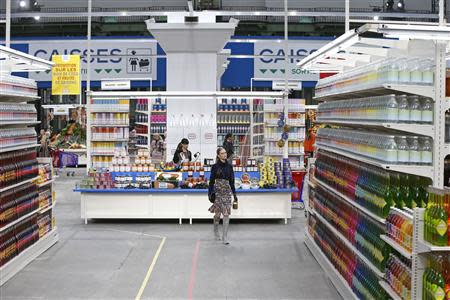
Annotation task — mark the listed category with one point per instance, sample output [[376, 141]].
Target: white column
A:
[[347, 15], [8, 24]]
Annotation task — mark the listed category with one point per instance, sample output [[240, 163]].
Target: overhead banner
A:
[[272, 67], [110, 58], [66, 75]]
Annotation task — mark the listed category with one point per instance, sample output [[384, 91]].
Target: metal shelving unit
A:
[[16, 61], [424, 41]]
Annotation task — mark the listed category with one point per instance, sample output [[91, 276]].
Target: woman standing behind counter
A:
[[182, 154]]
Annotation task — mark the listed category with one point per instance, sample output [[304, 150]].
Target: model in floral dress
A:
[[221, 189]]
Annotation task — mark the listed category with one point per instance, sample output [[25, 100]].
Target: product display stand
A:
[[352, 85], [28, 227]]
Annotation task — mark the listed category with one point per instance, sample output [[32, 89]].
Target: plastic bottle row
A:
[[236, 129], [294, 148], [275, 133], [238, 119], [412, 70], [99, 162], [110, 118], [373, 188], [387, 148], [16, 84], [17, 112], [110, 105], [358, 276], [234, 104], [400, 229], [437, 218], [17, 136], [389, 108], [110, 133], [277, 105], [358, 229], [105, 147], [158, 129], [398, 276]]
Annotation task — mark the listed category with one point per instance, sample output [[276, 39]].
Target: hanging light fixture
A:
[[401, 5], [389, 5]]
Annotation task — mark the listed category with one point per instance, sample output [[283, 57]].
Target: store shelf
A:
[[227, 123], [419, 170], [109, 111], [349, 244], [109, 140], [9, 225], [281, 154], [140, 123], [110, 125], [421, 129], [8, 123], [46, 208], [289, 140], [142, 112], [276, 125], [236, 134], [396, 246], [142, 134], [159, 111], [12, 267], [8, 149], [404, 212], [425, 247], [9, 96], [102, 154], [385, 89], [18, 184], [46, 183], [351, 202], [389, 290], [330, 271], [233, 112], [257, 124], [143, 146]]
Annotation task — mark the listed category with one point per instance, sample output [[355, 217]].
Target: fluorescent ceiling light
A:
[[22, 3], [37, 18]]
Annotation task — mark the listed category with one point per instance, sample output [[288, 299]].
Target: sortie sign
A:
[[66, 75]]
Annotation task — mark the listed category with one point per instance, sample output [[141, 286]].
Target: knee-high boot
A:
[[226, 223]]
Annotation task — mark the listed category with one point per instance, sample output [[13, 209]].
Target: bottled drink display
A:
[[233, 118], [106, 118], [374, 188], [275, 133], [17, 85], [141, 129], [387, 148], [159, 105], [412, 70], [400, 229], [234, 104], [236, 129], [358, 229], [358, 276], [398, 276], [161, 129], [158, 119], [142, 104], [106, 148], [17, 112], [437, 218], [294, 148], [17, 166], [110, 133], [436, 278], [12, 137], [388, 108], [110, 105]]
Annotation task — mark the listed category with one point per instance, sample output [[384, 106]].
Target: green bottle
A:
[[439, 293], [440, 223]]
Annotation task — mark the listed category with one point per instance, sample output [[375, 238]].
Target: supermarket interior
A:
[[224, 149]]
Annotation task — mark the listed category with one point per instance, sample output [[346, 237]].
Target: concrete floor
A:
[[109, 260]]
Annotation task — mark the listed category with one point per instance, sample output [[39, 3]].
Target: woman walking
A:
[[221, 188]]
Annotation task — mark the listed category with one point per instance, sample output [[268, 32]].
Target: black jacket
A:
[[229, 148], [177, 157], [221, 170]]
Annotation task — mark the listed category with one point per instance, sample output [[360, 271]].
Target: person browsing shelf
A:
[[182, 154]]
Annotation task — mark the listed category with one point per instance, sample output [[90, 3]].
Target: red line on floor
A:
[[193, 270]]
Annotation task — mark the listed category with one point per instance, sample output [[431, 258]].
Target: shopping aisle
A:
[[109, 260]]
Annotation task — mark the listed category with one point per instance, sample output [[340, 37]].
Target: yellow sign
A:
[[66, 75]]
